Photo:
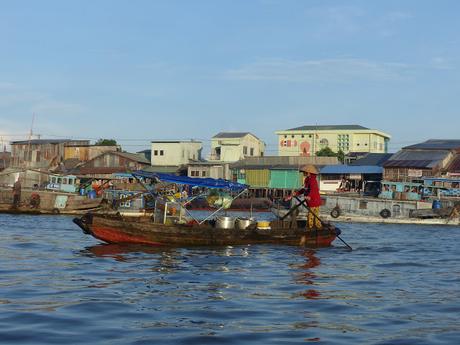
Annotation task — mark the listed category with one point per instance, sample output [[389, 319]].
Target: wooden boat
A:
[[170, 223], [46, 202], [57, 194], [112, 228]]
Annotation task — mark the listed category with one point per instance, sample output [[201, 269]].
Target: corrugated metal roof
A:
[[176, 141], [356, 154], [351, 169], [97, 170], [327, 128], [140, 158], [408, 158], [373, 159], [454, 167], [436, 144], [230, 135], [266, 167], [407, 163], [170, 169], [419, 155], [43, 141]]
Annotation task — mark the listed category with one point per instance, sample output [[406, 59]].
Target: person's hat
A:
[[309, 168]]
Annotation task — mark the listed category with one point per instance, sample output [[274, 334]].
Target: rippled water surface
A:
[[400, 285]]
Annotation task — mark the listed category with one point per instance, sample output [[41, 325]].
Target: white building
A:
[[209, 169], [233, 146], [175, 153]]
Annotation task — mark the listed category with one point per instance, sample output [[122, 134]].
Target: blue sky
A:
[[144, 70]]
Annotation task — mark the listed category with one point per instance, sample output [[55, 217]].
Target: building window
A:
[[252, 151], [155, 153], [245, 150], [203, 173], [285, 136], [162, 153], [292, 136]]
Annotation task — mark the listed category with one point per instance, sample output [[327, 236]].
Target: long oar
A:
[[291, 210], [302, 202]]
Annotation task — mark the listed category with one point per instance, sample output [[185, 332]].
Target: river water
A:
[[400, 285]]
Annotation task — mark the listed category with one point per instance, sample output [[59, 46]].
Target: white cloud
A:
[[441, 63], [326, 70]]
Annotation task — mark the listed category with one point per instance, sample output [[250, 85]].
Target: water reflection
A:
[[165, 260], [307, 275], [120, 252]]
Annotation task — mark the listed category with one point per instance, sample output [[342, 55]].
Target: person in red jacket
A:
[[310, 191]]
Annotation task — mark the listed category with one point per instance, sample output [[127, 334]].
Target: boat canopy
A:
[[190, 181]]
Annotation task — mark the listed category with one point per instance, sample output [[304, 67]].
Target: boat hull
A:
[[141, 230]]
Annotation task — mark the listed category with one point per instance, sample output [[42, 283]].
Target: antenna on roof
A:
[[28, 145]]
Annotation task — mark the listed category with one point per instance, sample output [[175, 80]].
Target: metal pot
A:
[[244, 223], [225, 222]]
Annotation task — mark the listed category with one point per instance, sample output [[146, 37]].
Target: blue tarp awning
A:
[[190, 181], [351, 169]]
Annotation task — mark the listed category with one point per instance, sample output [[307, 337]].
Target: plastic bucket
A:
[[436, 204], [92, 194]]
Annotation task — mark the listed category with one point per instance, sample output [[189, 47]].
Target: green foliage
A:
[[106, 142], [341, 156], [327, 152]]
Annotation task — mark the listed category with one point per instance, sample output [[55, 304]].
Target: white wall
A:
[[233, 149], [175, 153]]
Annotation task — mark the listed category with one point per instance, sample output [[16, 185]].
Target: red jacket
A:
[[311, 189]]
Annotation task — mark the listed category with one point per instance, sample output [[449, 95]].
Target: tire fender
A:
[[385, 213], [335, 213]]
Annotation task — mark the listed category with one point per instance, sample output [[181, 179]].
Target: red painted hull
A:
[[112, 235], [143, 231]]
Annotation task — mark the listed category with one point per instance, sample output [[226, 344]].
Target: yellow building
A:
[[307, 140]]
